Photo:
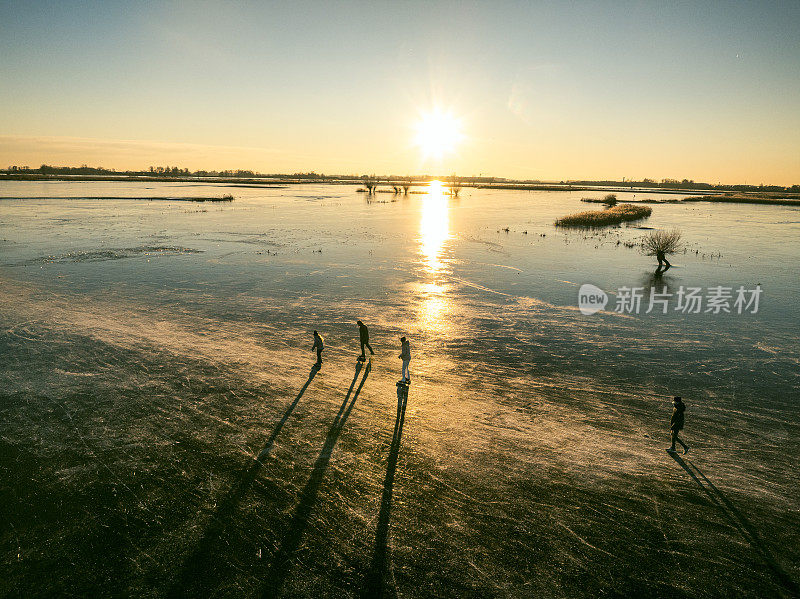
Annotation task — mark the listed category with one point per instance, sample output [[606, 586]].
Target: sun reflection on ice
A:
[[433, 312], [434, 227], [434, 232]]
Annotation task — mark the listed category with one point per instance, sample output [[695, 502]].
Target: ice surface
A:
[[149, 352]]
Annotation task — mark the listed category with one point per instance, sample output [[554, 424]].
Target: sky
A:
[[708, 91]]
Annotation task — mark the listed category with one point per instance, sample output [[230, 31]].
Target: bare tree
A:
[[667, 242], [455, 186], [610, 200], [370, 183], [659, 244]]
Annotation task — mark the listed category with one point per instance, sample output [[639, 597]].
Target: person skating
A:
[[319, 345], [405, 356], [676, 424], [363, 335]]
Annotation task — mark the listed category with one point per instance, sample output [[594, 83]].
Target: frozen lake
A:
[[148, 349], [444, 270]]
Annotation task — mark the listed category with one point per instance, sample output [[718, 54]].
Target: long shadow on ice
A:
[[281, 566], [738, 520], [375, 585], [199, 569]]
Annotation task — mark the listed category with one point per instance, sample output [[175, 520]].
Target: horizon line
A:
[[248, 173]]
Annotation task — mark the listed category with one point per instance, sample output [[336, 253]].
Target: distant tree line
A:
[[176, 171], [167, 171], [83, 169], [684, 184]]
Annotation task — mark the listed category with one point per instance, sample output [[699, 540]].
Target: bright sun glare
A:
[[438, 133]]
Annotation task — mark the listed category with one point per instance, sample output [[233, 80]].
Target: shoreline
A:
[[279, 181]]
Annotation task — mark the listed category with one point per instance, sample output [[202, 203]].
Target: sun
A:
[[438, 133]]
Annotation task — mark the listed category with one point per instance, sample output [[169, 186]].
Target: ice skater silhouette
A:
[[405, 356], [676, 424], [319, 345], [363, 335]]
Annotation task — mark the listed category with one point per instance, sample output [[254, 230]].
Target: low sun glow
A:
[[438, 133], [434, 227]]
